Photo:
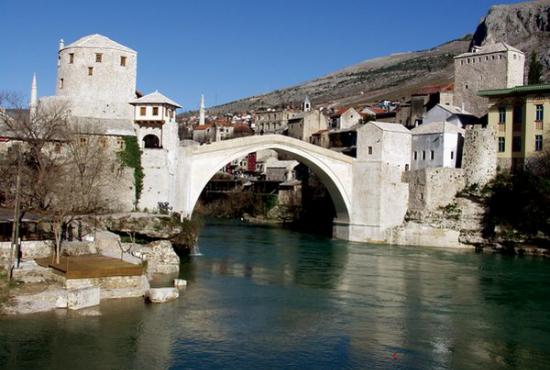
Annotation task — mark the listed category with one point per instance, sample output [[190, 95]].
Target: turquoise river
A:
[[269, 298]]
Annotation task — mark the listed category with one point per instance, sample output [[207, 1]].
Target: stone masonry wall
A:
[[479, 160], [431, 188]]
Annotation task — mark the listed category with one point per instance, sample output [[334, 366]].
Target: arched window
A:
[[151, 141]]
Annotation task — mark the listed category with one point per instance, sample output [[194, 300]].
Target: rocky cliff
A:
[[523, 25]]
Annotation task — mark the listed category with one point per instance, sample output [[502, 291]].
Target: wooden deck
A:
[[91, 266]]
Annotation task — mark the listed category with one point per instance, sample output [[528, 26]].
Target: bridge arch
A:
[[334, 169]]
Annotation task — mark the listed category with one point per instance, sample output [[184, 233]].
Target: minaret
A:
[[201, 111], [61, 44], [34, 96]]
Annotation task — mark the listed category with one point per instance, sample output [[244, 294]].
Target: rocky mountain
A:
[[523, 25]]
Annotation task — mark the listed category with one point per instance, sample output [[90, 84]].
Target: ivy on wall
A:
[[130, 156]]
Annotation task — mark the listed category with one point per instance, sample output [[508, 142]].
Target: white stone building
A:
[[449, 113], [98, 77], [436, 144]]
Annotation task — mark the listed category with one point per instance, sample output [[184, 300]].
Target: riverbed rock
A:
[[162, 295], [114, 287], [83, 297]]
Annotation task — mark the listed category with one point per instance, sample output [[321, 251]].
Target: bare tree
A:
[[66, 167]]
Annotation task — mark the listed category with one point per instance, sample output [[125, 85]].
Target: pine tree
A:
[[535, 70]]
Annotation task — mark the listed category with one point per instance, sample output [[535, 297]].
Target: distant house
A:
[[449, 113], [204, 133], [378, 114], [411, 112], [436, 144], [303, 125], [343, 118]]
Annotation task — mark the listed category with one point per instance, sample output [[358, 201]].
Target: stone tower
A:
[[98, 77], [491, 66]]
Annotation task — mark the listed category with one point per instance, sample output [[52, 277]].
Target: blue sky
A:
[[226, 49]]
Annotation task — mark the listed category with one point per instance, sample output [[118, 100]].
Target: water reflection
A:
[[270, 298]]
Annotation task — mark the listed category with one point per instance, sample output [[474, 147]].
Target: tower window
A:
[[98, 57], [452, 154], [123, 61], [370, 150], [71, 58], [60, 83], [155, 111], [415, 155], [432, 155], [142, 111], [423, 155], [90, 71]]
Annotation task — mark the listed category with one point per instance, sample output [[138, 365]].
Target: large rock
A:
[[160, 257], [42, 300], [144, 224], [31, 272], [162, 295], [115, 286], [109, 244], [83, 297], [76, 248]]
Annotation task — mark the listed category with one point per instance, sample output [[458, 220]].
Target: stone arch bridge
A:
[[367, 192]]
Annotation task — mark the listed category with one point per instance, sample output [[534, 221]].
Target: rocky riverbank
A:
[[36, 288]]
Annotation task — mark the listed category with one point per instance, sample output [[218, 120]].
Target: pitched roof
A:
[[432, 89], [98, 41], [490, 48], [453, 109], [155, 98], [437, 128], [394, 127]]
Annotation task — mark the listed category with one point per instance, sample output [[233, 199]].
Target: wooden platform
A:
[[91, 266]]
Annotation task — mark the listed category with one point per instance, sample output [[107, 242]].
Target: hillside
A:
[[523, 25]]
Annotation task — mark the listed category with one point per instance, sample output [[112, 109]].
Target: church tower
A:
[[307, 104]]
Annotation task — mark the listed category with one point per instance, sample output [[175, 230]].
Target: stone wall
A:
[[431, 188], [31, 249], [479, 160]]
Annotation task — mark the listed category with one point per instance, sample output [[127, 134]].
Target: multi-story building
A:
[[272, 121], [521, 118], [491, 66]]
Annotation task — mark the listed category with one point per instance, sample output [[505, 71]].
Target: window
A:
[[155, 111], [432, 155], [90, 71], [60, 83], [71, 58], [539, 125], [142, 111], [370, 150], [538, 143], [415, 155], [502, 115], [123, 61], [516, 144], [501, 144], [83, 140], [539, 112], [98, 57], [423, 155], [452, 154]]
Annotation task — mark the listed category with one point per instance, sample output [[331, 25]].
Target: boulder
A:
[[39, 301], [75, 248], [180, 283], [162, 295], [31, 272]]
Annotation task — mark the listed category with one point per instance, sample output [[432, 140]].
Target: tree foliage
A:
[[131, 157], [535, 70]]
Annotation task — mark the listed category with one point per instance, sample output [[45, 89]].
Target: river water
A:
[[268, 298]]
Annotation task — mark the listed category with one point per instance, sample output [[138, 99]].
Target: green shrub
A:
[[130, 156]]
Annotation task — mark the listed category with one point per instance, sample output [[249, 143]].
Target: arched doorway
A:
[[151, 142]]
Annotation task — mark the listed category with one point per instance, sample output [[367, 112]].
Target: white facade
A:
[[448, 113], [436, 144], [349, 118], [98, 77]]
